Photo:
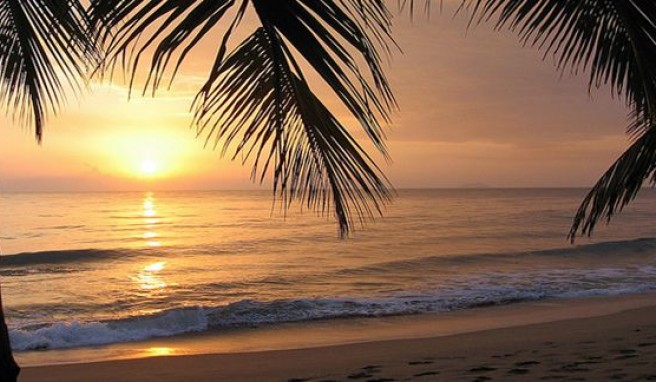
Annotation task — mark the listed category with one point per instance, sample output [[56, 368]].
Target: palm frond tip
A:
[[615, 42], [45, 49], [279, 123]]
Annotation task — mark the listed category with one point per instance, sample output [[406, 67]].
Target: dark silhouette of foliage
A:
[[44, 47], [256, 100], [615, 42]]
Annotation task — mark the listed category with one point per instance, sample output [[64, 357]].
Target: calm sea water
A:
[[98, 268]]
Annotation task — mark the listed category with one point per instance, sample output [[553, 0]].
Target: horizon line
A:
[[445, 188]]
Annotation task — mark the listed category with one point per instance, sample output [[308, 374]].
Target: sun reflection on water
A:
[[148, 278], [149, 205], [151, 220], [155, 267], [160, 351], [149, 235]]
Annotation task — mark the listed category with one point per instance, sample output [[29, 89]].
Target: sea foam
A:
[[77, 334], [480, 291]]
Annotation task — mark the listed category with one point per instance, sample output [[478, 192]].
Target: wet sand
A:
[[603, 339]]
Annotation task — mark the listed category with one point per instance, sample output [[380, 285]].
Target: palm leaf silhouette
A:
[[279, 121], [45, 48], [615, 41], [257, 95]]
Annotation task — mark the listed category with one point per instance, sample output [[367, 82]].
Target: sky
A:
[[476, 109]]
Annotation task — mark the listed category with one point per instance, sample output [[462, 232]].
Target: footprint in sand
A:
[[574, 367], [502, 355], [518, 371], [482, 369], [626, 354], [427, 373], [593, 358], [359, 375], [413, 363], [527, 363], [588, 362], [627, 351], [372, 369]]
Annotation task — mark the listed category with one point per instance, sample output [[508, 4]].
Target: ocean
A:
[[91, 269]]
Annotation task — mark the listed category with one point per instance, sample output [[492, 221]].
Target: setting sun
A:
[[149, 167]]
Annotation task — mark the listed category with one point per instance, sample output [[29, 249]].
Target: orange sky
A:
[[476, 108]]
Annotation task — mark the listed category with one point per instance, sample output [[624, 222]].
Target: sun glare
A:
[[149, 167], [155, 267]]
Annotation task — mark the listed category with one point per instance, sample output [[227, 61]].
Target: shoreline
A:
[[332, 348]]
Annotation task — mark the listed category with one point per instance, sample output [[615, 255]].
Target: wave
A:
[[472, 293], [611, 248], [453, 283], [69, 256], [77, 334], [621, 250], [608, 248]]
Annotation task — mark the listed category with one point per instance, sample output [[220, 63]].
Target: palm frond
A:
[[619, 185], [301, 22], [310, 153], [168, 26], [44, 48], [615, 42], [409, 5], [275, 118]]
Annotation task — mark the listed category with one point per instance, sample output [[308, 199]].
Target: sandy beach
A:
[[599, 339]]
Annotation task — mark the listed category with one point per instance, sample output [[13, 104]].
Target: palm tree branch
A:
[[170, 26], [612, 39], [44, 43], [618, 186], [615, 42], [278, 122], [305, 31], [268, 121]]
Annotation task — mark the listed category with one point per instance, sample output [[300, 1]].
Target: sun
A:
[[149, 167]]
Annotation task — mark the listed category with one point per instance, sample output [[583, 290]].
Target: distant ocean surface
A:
[[98, 268]]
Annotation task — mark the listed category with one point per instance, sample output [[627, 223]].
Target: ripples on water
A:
[[99, 268]]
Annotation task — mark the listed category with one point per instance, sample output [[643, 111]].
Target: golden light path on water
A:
[[149, 277], [155, 267], [151, 220]]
